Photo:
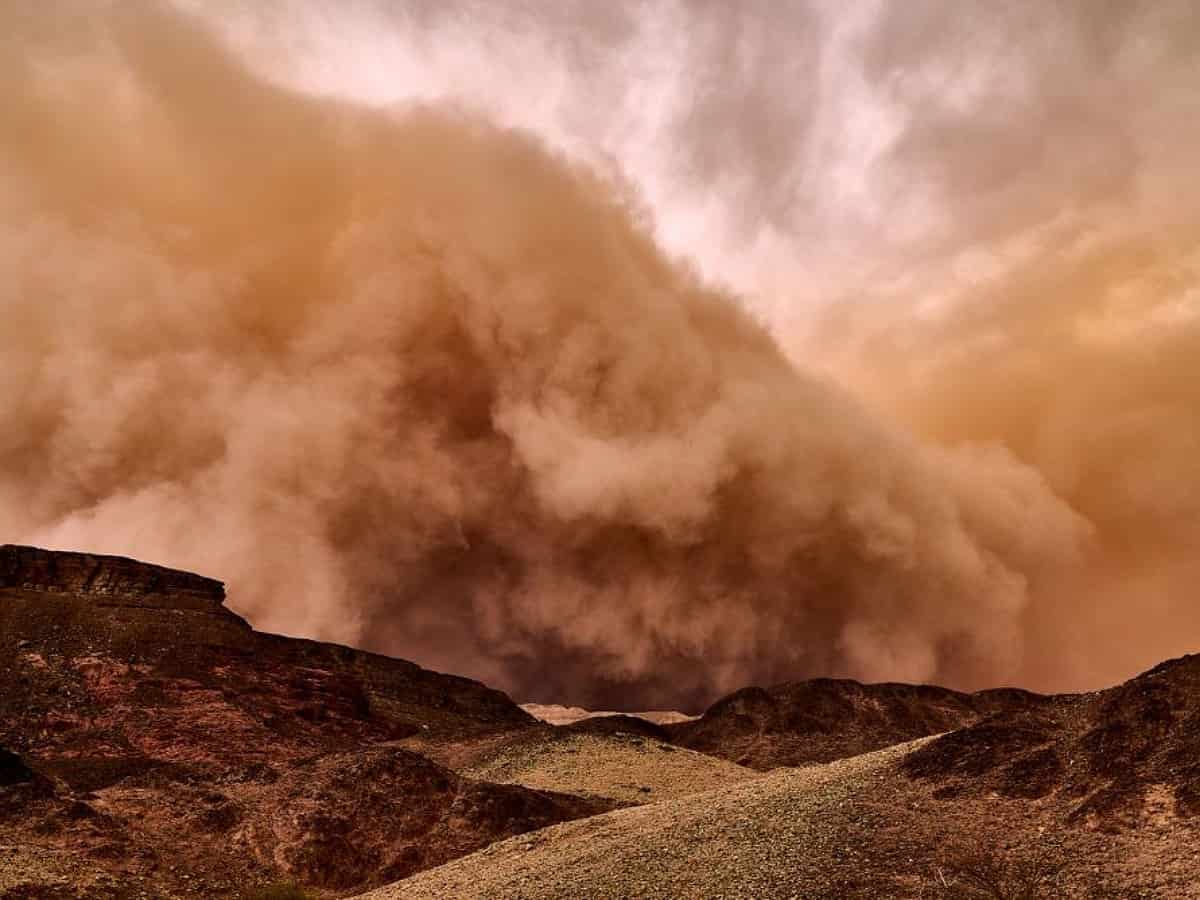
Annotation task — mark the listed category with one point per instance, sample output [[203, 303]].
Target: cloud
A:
[[418, 380]]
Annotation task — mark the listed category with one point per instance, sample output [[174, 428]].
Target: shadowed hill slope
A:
[[175, 748], [110, 662], [1103, 753], [826, 719]]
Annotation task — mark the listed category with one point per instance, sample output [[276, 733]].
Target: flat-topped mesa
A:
[[136, 661], [107, 580]]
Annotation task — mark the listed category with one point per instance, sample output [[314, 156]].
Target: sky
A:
[[621, 354]]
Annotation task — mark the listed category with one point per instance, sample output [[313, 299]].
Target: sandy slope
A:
[[623, 767], [770, 837], [565, 715], [854, 828]]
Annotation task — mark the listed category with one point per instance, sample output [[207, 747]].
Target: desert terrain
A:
[[155, 746], [575, 449]]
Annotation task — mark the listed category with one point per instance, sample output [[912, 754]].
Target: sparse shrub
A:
[[980, 870], [280, 890]]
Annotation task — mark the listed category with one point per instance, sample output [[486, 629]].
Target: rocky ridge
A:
[[151, 737], [825, 719], [1085, 796], [153, 746], [1103, 753], [108, 580]]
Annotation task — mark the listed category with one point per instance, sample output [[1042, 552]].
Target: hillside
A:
[[151, 737], [569, 715], [622, 766], [1093, 796], [798, 723], [1104, 756], [153, 745], [777, 836]]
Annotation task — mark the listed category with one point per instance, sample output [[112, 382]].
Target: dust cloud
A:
[[412, 379]]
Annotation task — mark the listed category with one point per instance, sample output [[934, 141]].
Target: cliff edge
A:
[[107, 580]]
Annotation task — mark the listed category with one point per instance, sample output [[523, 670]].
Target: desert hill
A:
[[622, 758], [775, 836], [624, 766], [153, 745], [151, 738], [128, 638], [570, 715], [798, 723], [1074, 796], [336, 822], [1103, 755], [825, 719]]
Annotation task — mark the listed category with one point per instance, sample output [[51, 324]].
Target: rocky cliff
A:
[[79, 602], [68, 613], [159, 726], [108, 580]]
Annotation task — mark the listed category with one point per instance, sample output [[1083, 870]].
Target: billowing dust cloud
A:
[[410, 380], [1053, 306]]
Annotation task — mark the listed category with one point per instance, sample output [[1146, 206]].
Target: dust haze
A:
[[532, 403]]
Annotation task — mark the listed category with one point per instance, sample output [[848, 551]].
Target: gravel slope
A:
[[566, 715], [622, 767], [854, 829], [776, 836]]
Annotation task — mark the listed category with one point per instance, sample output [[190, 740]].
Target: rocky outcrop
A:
[[78, 603], [101, 642], [366, 817], [107, 580], [1107, 754], [13, 769], [797, 723], [165, 723]]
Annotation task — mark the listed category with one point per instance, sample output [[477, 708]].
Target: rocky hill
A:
[[108, 580], [1091, 797], [1104, 755], [110, 658], [153, 745], [826, 719], [569, 715], [151, 736]]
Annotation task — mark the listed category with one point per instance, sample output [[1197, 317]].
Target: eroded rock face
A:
[[108, 580], [156, 726], [77, 603]]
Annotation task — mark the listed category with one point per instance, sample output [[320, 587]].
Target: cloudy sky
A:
[[621, 353]]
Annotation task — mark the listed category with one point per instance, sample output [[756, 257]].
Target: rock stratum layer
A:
[[108, 580]]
